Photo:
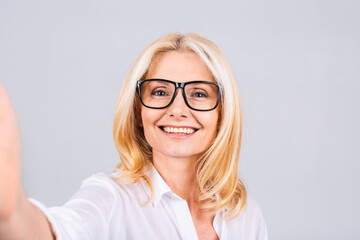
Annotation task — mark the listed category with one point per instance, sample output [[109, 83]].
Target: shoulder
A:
[[252, 209], [109, 188], [99, 184], [99, 180], [250, 224], [102, 185]]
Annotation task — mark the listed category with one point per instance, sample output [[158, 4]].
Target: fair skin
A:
[[175, 155], [174, 158], [19, 219]]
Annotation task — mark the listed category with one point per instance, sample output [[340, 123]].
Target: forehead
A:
[[179, 67]]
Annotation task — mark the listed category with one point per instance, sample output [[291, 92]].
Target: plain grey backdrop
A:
[[298, 68]]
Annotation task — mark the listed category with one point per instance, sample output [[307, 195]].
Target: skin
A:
[[9, 155], [175, 158], [19, 219]]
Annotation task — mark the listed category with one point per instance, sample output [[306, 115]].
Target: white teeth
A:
[[179, 130]]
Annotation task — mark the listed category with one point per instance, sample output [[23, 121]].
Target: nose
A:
[[178, 107]]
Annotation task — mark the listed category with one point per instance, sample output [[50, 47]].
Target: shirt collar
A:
[[159, 185]]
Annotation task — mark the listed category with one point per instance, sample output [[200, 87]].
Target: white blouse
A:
[[103, 209]]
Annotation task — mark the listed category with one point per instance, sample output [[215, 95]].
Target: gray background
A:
[[298, 68]]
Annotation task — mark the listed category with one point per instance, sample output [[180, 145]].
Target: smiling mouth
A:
[[179, 131]]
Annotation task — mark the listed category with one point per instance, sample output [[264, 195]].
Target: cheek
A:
[[149, 117], [145, 120], [210, 122], [214, 126]]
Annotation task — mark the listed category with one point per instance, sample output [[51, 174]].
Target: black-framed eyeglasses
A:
[[160, 93]]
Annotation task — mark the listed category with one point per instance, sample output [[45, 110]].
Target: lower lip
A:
[[177, 136]]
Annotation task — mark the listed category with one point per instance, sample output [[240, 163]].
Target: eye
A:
[[158, 92], [200, 94]]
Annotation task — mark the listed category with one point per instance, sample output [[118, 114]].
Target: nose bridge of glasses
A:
[[179, 85], [179, 94]]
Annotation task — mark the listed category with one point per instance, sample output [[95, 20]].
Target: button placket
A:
[[185, 221]]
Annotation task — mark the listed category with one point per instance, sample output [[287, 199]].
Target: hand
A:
[[9, 157]]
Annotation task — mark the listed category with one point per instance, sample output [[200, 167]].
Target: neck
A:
[[179, 174]]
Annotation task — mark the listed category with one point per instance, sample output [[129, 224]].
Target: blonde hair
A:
[[217, 171]]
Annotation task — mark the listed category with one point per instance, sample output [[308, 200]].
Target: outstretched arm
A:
[[19, 219]]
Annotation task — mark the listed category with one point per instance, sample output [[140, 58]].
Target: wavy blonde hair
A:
[[217, 171]]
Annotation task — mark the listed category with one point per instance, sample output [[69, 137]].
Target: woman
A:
[[178, 132]]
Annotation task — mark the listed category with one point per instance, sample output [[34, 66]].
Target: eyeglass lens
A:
[[158, 94]]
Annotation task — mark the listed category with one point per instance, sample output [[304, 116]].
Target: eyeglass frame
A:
[[178, 85]]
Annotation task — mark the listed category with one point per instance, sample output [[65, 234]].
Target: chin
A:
[[181, 154]]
